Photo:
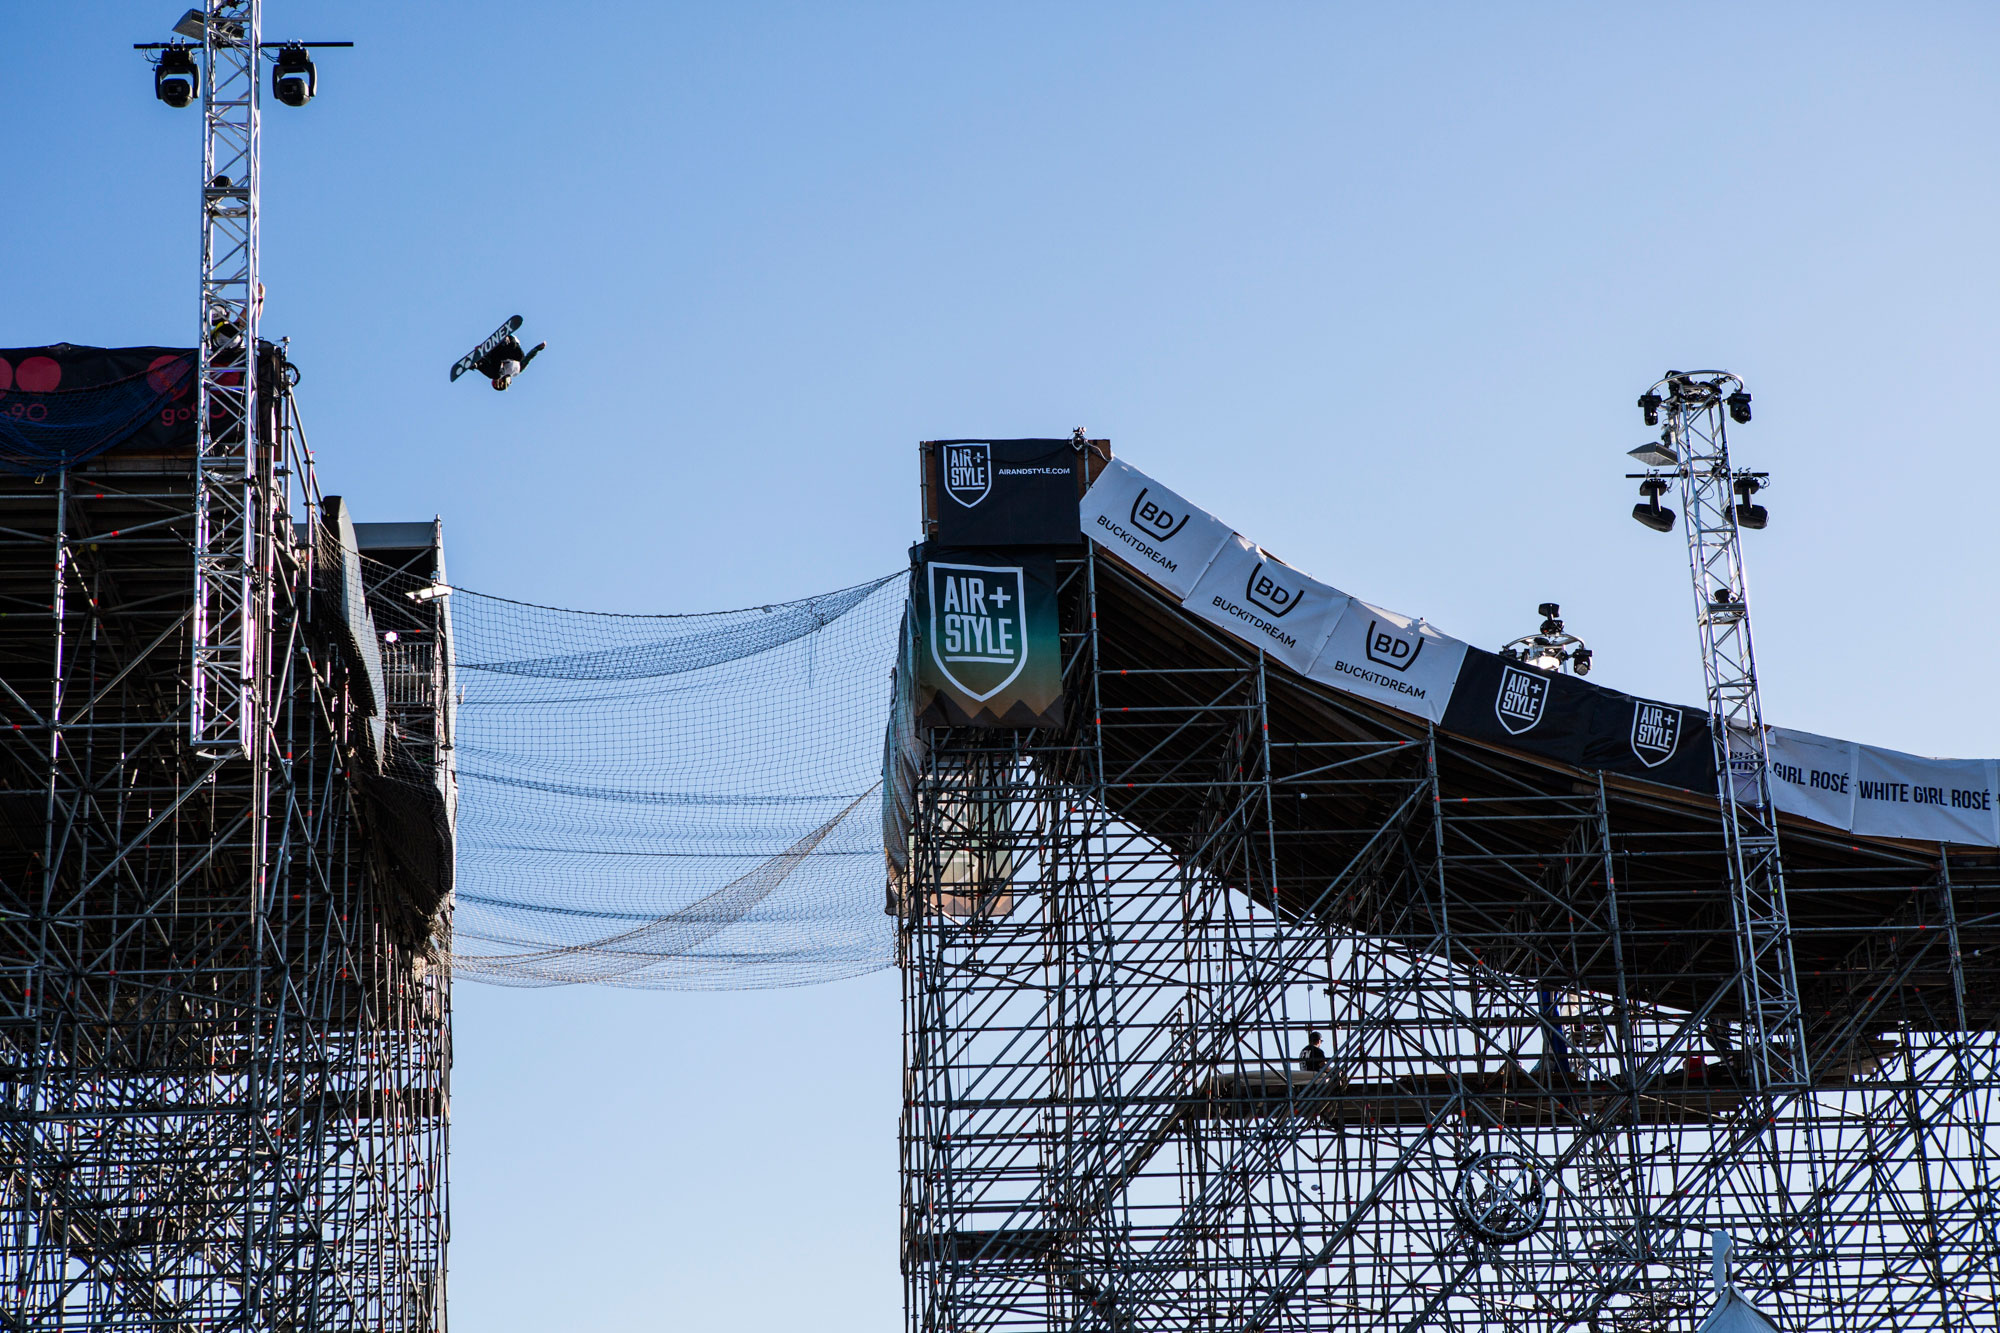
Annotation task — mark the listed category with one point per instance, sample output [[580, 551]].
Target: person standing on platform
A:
[[1313, 1058]]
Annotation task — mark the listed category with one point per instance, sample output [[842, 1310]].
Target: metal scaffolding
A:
[[1538, 1094], [224, 1018]]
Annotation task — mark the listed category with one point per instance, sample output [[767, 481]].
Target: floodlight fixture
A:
[[1745, 514], [1650, 511], [294, 78], [1739, 407], [1655, 516], [1655, 453], [176, 79], [192, 24], [1649, 403]]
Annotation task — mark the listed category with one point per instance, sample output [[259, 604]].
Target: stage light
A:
[[1655, 453], [175, 78], [1650, 511], [1739, 407], [192, 25], [1654, 516], [1649, 403], [1579, 661], [294, 79], [1746, 514], [1551, 615]]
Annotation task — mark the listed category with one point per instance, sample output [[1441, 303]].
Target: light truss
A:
[[1540, 1094], [1695, 404], [225, 556]]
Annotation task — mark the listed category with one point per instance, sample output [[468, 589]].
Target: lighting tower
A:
[[226, 551], [226, 410], [1691, 458]]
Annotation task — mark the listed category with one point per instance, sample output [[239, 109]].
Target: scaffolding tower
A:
[[225, 1005], [1538, 1095]]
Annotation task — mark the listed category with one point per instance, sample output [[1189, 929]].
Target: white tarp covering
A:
[[1151, 528], [1391, 659], [1262, 600]]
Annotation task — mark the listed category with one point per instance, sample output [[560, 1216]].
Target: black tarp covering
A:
[[1566, 719], [62, 405], [1007, 492]]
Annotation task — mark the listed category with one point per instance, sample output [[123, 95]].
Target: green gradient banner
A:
[[989, 652]]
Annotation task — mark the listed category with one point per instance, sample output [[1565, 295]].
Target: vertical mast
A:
[[1696, 453], [224, 627]]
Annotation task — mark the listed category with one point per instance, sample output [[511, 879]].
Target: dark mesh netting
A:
[[687, 802], [61, 406]]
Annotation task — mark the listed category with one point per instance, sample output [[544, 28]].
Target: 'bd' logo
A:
[[1157, 521], [1393, 648], [1267, 592]]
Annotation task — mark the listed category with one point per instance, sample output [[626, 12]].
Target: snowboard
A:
[[478, 354]]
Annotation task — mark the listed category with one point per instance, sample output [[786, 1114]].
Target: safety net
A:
[[687, 802]]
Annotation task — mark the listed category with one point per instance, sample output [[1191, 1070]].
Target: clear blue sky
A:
[[1376, 284]]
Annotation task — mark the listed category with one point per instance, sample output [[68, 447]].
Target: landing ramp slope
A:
[[1186, 602]]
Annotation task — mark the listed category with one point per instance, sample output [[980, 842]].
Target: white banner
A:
[[1262, 600], [1811, 775], [1391, 659], [1937, 800], [1884, 793], [1322, 633], [1151, 528]]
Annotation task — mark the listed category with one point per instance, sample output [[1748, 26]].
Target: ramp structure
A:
[[224, 1022], [1123, 921]]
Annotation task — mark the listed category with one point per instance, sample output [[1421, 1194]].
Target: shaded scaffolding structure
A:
[[1534, 1103], [224, 1018]]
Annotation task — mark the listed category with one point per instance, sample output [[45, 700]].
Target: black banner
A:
[[1503, 701], [1642, 738], [1005, 492], [62, 405], [988, 643], [1508, 703]]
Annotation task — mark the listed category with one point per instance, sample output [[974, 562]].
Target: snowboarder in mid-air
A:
[[500, 357]]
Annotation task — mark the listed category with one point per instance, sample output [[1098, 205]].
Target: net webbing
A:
[[685, 802]]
